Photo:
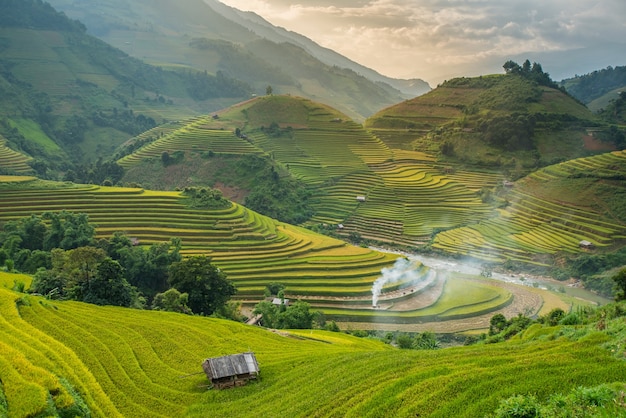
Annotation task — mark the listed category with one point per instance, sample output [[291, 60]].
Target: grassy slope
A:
[[13, 161], [254, 250], [335, 157], [128, 363]]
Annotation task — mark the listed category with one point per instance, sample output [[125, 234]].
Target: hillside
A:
[[334, 277], [416, 197], [333, 157], [68, 98], [506, 122], [70, 358], [213, 37], [597, 88]]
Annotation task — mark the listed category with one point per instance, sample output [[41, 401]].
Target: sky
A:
[[439, 39]]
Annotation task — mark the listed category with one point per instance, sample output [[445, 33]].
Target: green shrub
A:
[[18, 286], [519, 406], [404, 341], [570, 319], [595, 396]]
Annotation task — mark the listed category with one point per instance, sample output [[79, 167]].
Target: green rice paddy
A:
[[67, 358]]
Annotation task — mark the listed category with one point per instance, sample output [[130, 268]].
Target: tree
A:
[[48, 283], [426, 341], [268, 90], [68, 230], [273, 288], [296, 316], [497, 324], [171, 301], [404, 341], [146, 270], [231, 310], [511, 67], [620, 284], [108, 287], [80, 267], [207, 286], [554, 316], [268, 312], [31, 230]]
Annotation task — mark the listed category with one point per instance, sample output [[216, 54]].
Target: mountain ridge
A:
[[163, 39]]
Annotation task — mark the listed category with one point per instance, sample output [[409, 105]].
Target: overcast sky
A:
[[439, 39]]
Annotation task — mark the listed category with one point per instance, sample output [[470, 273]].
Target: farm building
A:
[[360, 198], [231, 371], [279, 301], [586, 245]]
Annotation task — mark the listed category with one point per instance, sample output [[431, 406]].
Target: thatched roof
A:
[[233, 365]]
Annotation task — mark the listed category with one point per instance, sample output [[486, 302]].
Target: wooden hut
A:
[[586, 245], [230, 371]]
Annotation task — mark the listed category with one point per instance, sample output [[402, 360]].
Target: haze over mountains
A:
[[211, 36], [440, 39]]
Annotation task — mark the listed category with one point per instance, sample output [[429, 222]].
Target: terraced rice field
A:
[[69, 358], [547, 224], [407, 195], [199, 134], [13, 161], [252, 249]]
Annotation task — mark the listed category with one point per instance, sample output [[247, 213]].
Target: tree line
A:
[[68, 262]]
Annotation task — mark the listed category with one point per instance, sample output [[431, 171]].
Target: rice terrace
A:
[[241, 226]]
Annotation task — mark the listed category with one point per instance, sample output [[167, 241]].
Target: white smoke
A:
[[403, 270]]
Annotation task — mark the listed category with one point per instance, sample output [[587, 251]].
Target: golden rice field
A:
[[551, 211], [69, 358], [254, 250], [13, 161], [407, 196]]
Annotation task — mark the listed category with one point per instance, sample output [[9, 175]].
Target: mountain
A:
[[211, 36], [68, 98], [597, 88], [254, 22]]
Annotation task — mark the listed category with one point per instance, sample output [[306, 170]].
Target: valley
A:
[[182, 181]]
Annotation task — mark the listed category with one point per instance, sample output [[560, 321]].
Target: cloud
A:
[[423, 38]]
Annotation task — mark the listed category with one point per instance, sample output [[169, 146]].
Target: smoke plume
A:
[[403, 270]]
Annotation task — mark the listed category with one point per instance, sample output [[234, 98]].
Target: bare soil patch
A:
[[593, 144]]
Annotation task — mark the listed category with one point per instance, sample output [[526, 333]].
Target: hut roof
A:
[[233, 365], [279, 301]]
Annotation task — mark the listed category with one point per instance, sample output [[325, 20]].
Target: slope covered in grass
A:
[[69, 357]]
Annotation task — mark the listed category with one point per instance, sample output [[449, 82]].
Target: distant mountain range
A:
[[208, 35]]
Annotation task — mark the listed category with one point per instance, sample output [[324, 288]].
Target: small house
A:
[[279, 301], [360, 198], [230, 371], [586, 245]]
